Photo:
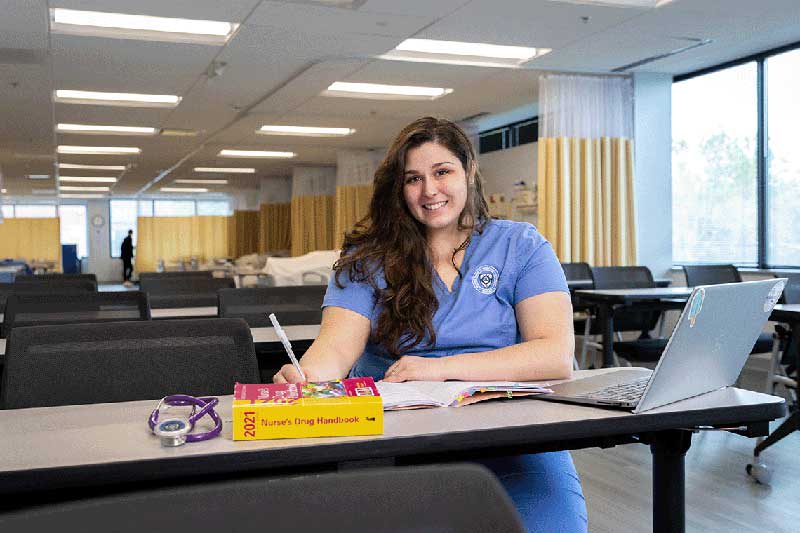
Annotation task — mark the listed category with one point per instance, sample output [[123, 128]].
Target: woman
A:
[[428, 287]]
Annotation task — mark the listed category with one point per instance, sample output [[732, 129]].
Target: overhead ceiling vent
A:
[[696, 43], [22, 56]]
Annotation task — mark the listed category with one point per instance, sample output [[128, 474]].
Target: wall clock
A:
[[98, 221]]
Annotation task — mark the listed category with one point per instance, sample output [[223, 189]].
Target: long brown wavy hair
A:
[[389, 238]]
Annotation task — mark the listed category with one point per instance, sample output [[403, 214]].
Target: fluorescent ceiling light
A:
[[72, 195], [203, 182], [256, 153], [43, 192], [88, 179], [377, 91], [101, 150], [461, 53], [85, 189], [68, 96], [305, 131], [104, 130], [39, 176], [619, 3], [3, 191], [183, 189], [225, 170], [142, 27], [92, 167], [176, 132]]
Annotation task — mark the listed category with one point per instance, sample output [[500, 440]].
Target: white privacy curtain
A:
[[585, 168]]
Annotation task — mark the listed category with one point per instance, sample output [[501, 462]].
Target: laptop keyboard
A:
[[623, 392]]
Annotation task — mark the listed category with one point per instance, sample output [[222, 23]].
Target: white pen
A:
[[286, 344]]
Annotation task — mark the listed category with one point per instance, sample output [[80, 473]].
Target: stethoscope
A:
[[174, 431]]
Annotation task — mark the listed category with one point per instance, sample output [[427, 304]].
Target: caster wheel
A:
[[760, 472]]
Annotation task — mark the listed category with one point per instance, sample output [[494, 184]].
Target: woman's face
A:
[[434, 186]]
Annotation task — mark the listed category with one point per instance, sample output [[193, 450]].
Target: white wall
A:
[[106, 269], [501, 168], [653, 170]]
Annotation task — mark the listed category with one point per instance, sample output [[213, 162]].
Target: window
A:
[[123, 218], [73, 227], [509, 136], [173, 208], [758, 94], [218, 208], [8, 211], [783, 159], [35, 211], [714, 176], [145, 208]]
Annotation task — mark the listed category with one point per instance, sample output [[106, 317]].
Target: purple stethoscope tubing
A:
[[206, 405]]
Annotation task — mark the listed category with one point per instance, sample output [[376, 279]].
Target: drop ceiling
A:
[[286, 53]]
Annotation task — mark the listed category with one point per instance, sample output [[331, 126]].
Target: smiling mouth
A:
[[434, 207]]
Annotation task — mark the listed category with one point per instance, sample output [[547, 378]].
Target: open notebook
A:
[[420, 394]]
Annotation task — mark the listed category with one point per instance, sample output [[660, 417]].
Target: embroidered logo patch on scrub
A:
[[485, 279]]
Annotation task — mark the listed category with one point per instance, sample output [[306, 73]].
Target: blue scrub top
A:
[[508, 262]]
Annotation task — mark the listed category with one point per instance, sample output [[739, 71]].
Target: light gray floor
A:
[[720, 496]]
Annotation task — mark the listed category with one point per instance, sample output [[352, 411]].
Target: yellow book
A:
[[344, 407]]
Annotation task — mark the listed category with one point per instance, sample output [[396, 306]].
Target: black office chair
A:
[[573, 271], [711, 274], [300, 304], [295, 305], [714, 275], [40, 309], [122, 361], [26, 278], [54, 284], [463, 498], [183, 291], [640, 318]]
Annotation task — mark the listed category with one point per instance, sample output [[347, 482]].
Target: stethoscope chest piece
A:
[[172, 431]]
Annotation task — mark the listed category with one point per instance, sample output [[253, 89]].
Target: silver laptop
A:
[[708, 348]]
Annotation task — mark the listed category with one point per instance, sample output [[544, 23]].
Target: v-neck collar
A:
[[437, 279]]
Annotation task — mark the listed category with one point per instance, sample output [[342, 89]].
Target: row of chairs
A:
[[293, 305], [644, 318]]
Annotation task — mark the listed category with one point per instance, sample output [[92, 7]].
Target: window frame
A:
[[762, 202]]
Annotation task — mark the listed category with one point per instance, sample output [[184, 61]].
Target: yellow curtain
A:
[[31, 239], [352, 204], [274, 227], [243, 230], [586, 209], [180, 238], [312, 224]]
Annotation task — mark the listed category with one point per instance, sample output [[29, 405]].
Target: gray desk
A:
[[583, 284], [184, 312], [607, 300], [260, 335], [73, 450]]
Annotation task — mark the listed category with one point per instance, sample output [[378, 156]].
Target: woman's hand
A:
[[412, 368], [289, 374]]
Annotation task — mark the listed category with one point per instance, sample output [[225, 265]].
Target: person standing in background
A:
[[126, 254]]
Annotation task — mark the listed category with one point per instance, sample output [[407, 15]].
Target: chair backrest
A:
[[56, 277], [184, 291], [464, 498], [48, 309], [574, 271], [56, 282], [205, 274], [711, 274], [123, 361], [627, 277], [6, 289], [622, 277], [296, 305], [791, 293]]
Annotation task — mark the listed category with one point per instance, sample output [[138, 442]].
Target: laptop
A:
[[707, 350]]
